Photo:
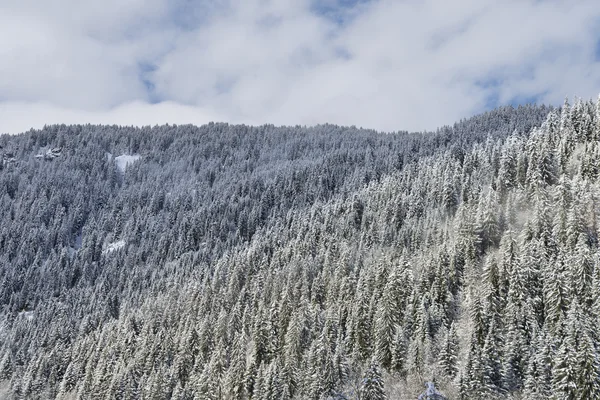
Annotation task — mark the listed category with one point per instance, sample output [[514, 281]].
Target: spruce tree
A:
[[372, 387], [449, 353]]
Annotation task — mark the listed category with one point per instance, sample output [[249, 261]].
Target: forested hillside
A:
[[236, 262]]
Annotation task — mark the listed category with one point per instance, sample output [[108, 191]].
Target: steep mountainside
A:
[[232, 262]]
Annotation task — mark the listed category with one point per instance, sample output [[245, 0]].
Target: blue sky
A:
[[388, 65]]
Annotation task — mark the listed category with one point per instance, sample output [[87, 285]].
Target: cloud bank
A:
[[387, 65]]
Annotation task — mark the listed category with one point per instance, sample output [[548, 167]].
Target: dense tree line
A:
[[235, 262]]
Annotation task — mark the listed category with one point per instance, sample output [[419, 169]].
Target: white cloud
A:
[[18, 117], [392, 65]]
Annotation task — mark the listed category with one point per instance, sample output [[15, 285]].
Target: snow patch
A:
[[28, 315], [124, 160], [78, 241], [50, 154], [71, 252], [114, 246]]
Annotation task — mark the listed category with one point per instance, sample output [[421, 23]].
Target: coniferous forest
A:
[[327, 262]]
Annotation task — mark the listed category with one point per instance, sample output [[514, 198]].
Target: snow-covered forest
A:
[[236, 262]]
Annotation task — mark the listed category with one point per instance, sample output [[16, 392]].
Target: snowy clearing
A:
[[114, 247], [124, 160], [28, 315]]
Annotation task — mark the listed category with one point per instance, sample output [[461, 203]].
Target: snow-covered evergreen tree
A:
[[372, 387]]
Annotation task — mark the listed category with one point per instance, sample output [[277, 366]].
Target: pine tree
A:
[[341, 367], [449, 353], [386, 320], [487, 227], [399, 354], [492, 367], [361, 325], [233, 380], [595, 295], [322, 373], [539, 371], [372, 386], [588, 374], [507, 174], [575, 372], [512, 360], [555, 294], [581, 269], [473, 377], [596, 119], [449, 195], [5, 366], [478, 318]]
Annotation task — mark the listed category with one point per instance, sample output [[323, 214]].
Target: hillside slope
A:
[[266, 263]]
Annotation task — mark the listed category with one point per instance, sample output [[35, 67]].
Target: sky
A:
[[388, 65]]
